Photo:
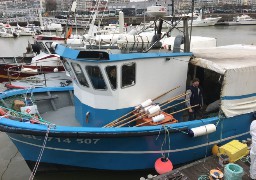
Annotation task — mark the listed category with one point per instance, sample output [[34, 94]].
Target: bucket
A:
[[233, 172]]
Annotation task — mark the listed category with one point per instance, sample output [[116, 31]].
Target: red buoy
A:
[[163, 165], [2, 112]]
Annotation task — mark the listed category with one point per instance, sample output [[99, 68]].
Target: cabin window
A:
[[79, 74], [96, 77], [42, 47], [67, 67], [112, 76], [128, 75], [49, 46]]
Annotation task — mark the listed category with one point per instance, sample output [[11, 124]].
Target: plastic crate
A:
[[235, 150]]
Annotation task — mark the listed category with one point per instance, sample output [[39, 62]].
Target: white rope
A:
[[33, 173]]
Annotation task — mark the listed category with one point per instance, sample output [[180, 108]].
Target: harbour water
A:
[[12, 165], [225, 35]]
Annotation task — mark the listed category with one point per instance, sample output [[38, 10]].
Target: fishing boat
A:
[[51, 79], [127, 107], [39, 58]]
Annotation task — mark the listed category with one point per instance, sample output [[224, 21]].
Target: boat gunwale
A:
[[72, 54], [73, 134], [8, 125]]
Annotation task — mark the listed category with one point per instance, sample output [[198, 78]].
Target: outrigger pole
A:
[[161, 105], [113, 122]]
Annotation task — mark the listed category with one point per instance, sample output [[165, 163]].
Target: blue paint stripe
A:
[[67, 129], [238, 97], [72, 54], [121, 57], [45, 89]]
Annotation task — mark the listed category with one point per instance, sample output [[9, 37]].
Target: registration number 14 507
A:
[[65, 140]]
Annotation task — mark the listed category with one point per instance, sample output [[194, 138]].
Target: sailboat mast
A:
[[40, 13]]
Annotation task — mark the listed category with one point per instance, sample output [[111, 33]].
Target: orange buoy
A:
[[163, 165]]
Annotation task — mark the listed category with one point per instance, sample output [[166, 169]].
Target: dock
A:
[[12, 164], [201, 168]]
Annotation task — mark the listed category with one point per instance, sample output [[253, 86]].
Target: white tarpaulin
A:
[[238, 65], [239, 91]]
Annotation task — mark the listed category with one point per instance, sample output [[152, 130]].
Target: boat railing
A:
[[3, 59], [15, 73]]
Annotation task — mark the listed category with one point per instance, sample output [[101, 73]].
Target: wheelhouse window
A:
[[67, 67], [112, 75], [41, 48], [49, 46], [79, 74], [96, 77], [128, 75]]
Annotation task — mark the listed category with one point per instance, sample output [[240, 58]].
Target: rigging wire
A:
[[193, 8]]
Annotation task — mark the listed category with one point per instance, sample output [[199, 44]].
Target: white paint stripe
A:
[[132, 152]]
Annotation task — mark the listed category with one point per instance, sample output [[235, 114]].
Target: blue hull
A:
[[125, 148], [123, 151]]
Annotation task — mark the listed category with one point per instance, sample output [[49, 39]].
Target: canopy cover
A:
[[238, 65]]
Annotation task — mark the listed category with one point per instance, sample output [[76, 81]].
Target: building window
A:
[[96, 77], [79, 74], [112, 76], [128, 75]]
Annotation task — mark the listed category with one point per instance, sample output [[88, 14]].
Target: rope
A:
[[246, 159], [203, 177], [169, 140], [164, 141], [184, 132], [220, 116], [206, 147], [33, 173]]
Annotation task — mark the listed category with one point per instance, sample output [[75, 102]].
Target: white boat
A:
[[156, 11], [54, 79], [199, 21], [39, 58], [51, 27], [25, 31], [242, 20], [8, 32], [197, 42]]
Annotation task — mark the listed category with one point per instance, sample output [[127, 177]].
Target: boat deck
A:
[[56, 79], [202, 168], [63, 117]]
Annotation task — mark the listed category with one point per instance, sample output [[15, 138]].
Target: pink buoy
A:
[[163, 165]]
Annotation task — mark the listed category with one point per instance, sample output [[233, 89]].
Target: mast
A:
[[40, 13], [73, 9], [121, 22]]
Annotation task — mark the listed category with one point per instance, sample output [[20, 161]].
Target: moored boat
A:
[[39, 58], [199, 21], [127, 106]]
